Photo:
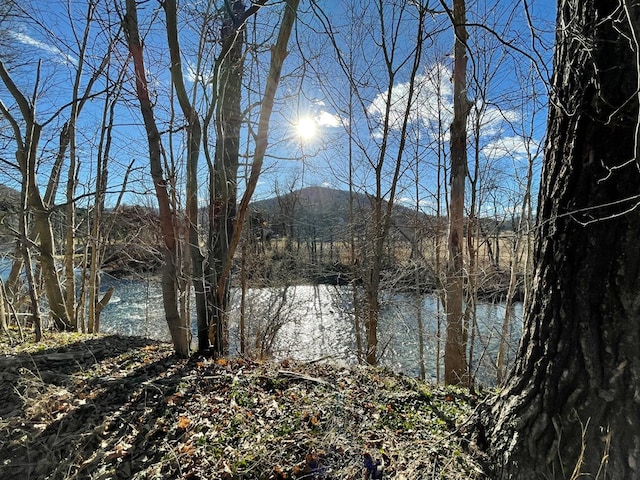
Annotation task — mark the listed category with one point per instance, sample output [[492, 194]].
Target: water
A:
[[134, 309], [312, 322], [316, 322]]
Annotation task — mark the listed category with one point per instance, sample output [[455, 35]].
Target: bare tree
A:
[[99, 228], [27, 140], [278, 55], [388, 125], [194, 139], [455, 362], [178, 326]]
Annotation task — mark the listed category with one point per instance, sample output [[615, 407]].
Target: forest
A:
[[414, 164]]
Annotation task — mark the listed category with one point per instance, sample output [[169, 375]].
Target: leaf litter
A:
[[111, 407]]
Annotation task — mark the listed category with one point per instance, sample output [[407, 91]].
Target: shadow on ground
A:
[[65, 411], [117, 407]]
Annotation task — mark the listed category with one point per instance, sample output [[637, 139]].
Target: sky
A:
[[507, 90], [327, 127]]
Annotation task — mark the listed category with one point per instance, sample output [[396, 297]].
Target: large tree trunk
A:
[[194, 136], [455, 363], [222, 276], [572, 404]]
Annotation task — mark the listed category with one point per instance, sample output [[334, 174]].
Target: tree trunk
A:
[[97, 235], [70, 233], [4, 314], [223, 192], [26, 155], [455, 363], [194, 136], [278, 55], [179, 328], [42, 228], [28, 264], [572, 406], [372, 294]]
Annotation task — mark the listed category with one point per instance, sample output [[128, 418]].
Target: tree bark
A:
[[26, 155], [194, 137], [571, 405], [223, 191], [278, 55], [4, 314], [179, 328], [455, 363]]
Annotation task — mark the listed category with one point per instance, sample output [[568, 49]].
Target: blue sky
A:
[[509, 92], [507, 89]]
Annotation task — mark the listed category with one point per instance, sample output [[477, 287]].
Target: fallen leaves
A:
[[120, 451], [183, 422], [187, 449], [140, 413]]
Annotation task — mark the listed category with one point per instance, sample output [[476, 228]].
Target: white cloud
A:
[[432, 99], [510, 147], [192, 75], [432, 105], [492, 119], [59, 55], [326, 119]]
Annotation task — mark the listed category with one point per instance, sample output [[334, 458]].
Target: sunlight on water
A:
[[319, 325], [311, 323], [137, 309]]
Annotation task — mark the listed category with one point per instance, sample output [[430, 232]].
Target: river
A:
[[316, 322]]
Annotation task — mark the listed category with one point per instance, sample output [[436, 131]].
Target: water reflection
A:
[[315, 322]]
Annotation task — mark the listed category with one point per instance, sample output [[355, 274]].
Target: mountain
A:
[[310, 211], [324, 214]]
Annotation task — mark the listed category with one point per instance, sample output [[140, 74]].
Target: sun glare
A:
[[306, 128]]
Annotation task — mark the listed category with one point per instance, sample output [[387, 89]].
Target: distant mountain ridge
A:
[[324, 213]]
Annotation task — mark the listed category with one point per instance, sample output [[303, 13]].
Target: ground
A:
[[107, 407]]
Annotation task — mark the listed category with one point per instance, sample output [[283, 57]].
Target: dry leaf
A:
[[183, 422], [175, 399], [187, 449], [119, 452], [279, 473]]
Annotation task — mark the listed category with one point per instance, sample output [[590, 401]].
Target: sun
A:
[[306, 128]]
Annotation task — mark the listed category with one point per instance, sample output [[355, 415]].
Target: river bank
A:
[[131, 261], [107, 407]]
